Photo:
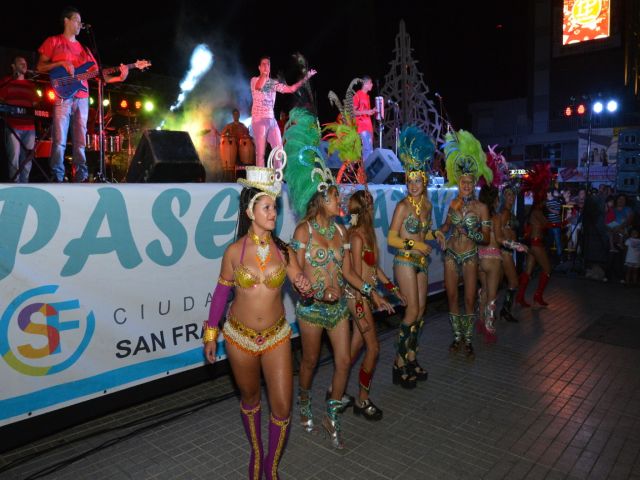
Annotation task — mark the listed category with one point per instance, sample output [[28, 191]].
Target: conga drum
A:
[[228, 152], [247, 151]]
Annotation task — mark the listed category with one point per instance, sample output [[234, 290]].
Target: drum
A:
[[228, 152], [43, 149], [113, 144], [93, 142], [247, 151]]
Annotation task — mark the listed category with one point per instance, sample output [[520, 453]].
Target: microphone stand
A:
[[100, 177]]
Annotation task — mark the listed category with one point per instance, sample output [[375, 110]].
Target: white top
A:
[[633, 250], [265, 99]]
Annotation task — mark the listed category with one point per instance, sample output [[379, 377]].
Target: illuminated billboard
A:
[[585, 20]]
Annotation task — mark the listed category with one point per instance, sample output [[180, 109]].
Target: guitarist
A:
[[66, 51]]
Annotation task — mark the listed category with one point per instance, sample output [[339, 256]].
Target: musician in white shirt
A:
[[263, 122]]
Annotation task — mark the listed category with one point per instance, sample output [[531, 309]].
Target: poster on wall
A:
[[585, 20], [601, 146]]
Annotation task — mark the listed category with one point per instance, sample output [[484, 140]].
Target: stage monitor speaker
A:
[[165, 156], [382, 166]]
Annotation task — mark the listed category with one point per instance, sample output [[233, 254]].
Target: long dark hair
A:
[[244, 222], [361, 204], [315, 204], [488, 196]]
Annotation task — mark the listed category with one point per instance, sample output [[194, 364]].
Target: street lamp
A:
[[597, 108]]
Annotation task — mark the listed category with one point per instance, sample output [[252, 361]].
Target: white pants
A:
[[265, 129]]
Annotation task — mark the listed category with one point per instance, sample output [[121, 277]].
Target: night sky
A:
[[466, 53]]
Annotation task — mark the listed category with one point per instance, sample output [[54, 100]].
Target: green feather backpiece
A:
[[465, 156], [305, 172]]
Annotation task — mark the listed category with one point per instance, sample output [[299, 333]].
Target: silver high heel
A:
[[306, 415], [331, 424]]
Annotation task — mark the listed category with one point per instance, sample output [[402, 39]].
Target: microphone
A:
[[438, 95], [85, 26]]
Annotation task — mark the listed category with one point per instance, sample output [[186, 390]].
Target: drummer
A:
[[236, 128]]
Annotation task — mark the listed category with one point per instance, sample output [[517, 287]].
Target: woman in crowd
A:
[[256, 331], [364, 257], [320, 245], [410, 226], [468, 222]]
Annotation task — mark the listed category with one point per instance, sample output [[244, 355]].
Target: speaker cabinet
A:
[[382, 166], [165, 156]]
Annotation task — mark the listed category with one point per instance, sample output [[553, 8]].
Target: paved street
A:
[[550, 400]]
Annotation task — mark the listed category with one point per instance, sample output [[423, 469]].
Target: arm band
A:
[[218, 303], [394, 240]]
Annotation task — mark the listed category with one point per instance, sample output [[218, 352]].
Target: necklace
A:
[[263, 252], [416, 205], [327, 232], [466, 203]]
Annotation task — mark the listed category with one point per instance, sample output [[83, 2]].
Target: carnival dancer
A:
[[491, 264], [263, 122], [538, 183], [468, 219], [509, 223], [256, 332], [410, 227], [364, 257], [321, 248]]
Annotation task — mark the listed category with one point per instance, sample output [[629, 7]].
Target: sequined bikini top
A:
[[470, 220], [245, 278], [413, 225]]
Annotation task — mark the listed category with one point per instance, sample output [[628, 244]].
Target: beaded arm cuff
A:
[[209, 334], [366, 289], [296, 245], [391, 287]]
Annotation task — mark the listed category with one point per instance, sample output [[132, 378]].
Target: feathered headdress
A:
[[344, 139], [306, 172], [537, 181], [415, 150], [498, 165], [465, 157]]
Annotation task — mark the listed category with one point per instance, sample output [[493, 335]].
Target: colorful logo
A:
[[40, 336]]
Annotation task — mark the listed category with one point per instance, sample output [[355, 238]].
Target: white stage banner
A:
[[103, 287]]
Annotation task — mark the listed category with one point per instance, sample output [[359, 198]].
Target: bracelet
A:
[[475, 236], [408, 244], [390, 286], [209, 334], [366, 289]]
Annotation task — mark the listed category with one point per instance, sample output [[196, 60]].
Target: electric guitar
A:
[[66, 86]]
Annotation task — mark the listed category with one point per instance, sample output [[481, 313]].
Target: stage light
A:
[[581, 109], [90, 100], [597, 107], [124, 103], [612, 106], [138, 104], [51, 95], [568, 112], [39, 92], [105, 102], [149, 106]]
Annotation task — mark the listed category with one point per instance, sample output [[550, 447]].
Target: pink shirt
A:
[[361, 102], [265, 99], [58, 48]]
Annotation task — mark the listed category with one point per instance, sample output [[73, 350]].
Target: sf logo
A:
[[41, 334]]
